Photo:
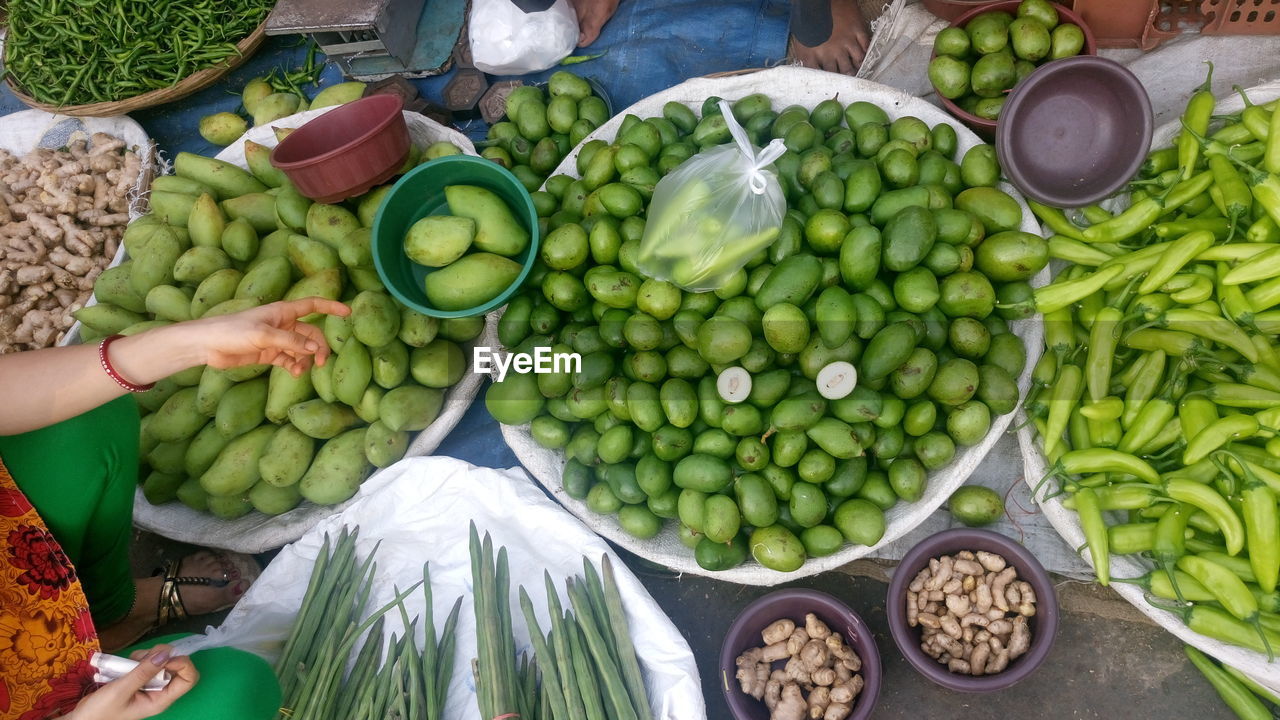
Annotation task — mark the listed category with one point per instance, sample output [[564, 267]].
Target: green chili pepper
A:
[[1236, 198], [1055, 220], [1180, 252], [1219, 433], [1242, 396], [1265, 186], [1171, 342], [1063, 397], [1190, 289], [1148, 423], [1078, 431], [1253, 686], [1094, 214], [1182, 587], [1210, 327], [1168, 440], [1195, 119], [1240, 567], [1095, 533], [1045, 371], [1105, 460], [1073, 251], [1229, 590], [1130, 538], [1137, 217], [1219, 625], [1263, 230], [1105, 433], [1195, 413], [1236, 696], [1213, 504], [1271, 156], [1159, 161], [1057, 296], [1264, 295], [1261, 525], [1220, 227], [1107, 408]]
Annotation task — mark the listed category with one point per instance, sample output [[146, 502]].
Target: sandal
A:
[[235, 567]]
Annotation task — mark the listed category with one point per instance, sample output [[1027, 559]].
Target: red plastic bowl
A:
[[346, 151], [795, 604], [985, 128], [1044, 624]]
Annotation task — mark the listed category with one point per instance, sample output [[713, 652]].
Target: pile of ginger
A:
[[62, 214], [819, 681]]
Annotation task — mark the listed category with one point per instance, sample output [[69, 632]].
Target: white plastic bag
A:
[[506, 40], [419, 510], [713, 213]]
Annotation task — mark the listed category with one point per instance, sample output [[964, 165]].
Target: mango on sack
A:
[[284, 391], [365, 279], [213, 383], [416, 329], [440, 149], [291, 208], [269, 499], [215, 290], [239, 240], [253, 92], [322, 380], [242, 408], [440, 364], [311, 256], [178, 418], [357, 248], [275, 106], [352, 370], [160, 488], [367, 209], [173, 208], [227, 180], [151, 400], [330, 223], [410, 407], [229, 507], [146, 442], [106, 319], [337, 471], [198, 263], [473, 280], [384, 446], [258, 157], [273, 244], [390, 364], [326, 284], [236, 468], [322, 420], [337, 330], [375, 318], [167, 302], [112, 287], [497, 230], [282, 132], [437, 240], [203, 450], [206, 222], [168, 457], [154, 265], [339, 94], [259, 209], [173, 183], [266, 283], [286, 457], [367, 408], [193, 496]]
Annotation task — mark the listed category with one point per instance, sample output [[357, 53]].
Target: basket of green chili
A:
[[110, 57]]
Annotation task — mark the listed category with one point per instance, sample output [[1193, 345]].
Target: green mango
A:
[[213, 384], [112, 287], [258, 157], [365, 279], [339, 94], [367, 408], [326, 284], [337, 471], [352, 371], [337, 330], [416, 329], [357, 249], [440, 364], [167, 302], [144, 326], [497, 229], [236, 468], [273, 107], [291, 208], [160, 488], [173, 183], [284, 391], [265, 283], [384, 446], [437, 240], [193, 496], [227, 180], [245, 373], [472, 281], [258, 209], [287, 456], [107, 319], [173, 208], [390, 364], [375, 318], [322, 420], [229, 507], [311, 256], [367, 209], [322, 380], [410, 407], [269, 499], [168, 457], [214, 290], [330, 224], [154, 265], [203, 450], [189, 377], [178, 419], [240, 240], [242, 407], [198, 263], [206, 222]]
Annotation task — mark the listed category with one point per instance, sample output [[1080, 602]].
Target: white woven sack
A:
[[27, 130], [1067, 523], [256, 532], [785, 86]]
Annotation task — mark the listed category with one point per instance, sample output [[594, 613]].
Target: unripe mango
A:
[[107, 319], [266, 283], [472, 281], [214, 290], [390, 364], [337, 471], [213, 383], [352, 370], [284, 391], [375, 318], [203, 450], [410, 407], [259, 209], [198, 263], [240, 240], [206, 222], [330, 223], [167, 302], [384, 446], [236, 468], [497, 230], [322, 420], [112, 287], [242, 408], [178, 418], [287, 456], [258, 157]]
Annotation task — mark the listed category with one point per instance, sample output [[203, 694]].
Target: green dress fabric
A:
[[234, 685]]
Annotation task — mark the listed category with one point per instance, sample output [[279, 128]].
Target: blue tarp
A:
[[650, 45]]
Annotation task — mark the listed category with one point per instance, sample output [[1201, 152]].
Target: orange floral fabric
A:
[[46, 631]]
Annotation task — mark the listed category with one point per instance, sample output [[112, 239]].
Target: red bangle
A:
[[111, 371]]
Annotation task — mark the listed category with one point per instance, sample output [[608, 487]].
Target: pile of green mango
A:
[[978, 64], [542, 127], [897, 255], [478, 220], [220, 240], [266, 104]]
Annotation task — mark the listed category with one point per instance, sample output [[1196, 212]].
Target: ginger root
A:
[[817, 679]]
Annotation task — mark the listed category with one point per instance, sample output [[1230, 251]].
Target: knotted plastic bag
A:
[[713, 213], [514, 37]]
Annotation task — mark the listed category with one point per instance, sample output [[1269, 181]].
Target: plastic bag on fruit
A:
[[515, 37], [713, 213]]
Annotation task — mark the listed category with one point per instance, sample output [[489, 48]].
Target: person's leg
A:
[[830, 35], [233, 685], [80, 476]]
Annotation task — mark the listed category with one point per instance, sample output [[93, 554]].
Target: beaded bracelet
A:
[[111, 371]]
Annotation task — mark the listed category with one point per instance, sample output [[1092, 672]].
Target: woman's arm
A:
[[44, 387]]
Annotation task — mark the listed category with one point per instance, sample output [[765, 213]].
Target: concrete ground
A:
[[1108, 660]]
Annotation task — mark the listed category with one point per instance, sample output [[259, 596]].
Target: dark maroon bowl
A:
[[1074, 131], [1044, 624], [795, 604]]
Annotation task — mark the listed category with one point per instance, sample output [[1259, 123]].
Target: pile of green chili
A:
[[1158, 396], [89, 51]]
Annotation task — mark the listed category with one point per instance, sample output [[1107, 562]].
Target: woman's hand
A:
[[271, 334], [124, 698], [592, 15]]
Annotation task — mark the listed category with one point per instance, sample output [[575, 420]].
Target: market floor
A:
[[1108, 661]]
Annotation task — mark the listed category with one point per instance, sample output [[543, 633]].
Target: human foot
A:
[[830, 35], [592, 15], [203, 582]]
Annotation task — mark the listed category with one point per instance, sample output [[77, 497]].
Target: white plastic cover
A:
[[507, 41], [255, 532], [786, 86], [419, 509]]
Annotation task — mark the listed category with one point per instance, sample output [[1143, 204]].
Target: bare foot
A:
[[844, 50], [198, 599], [592, 15]]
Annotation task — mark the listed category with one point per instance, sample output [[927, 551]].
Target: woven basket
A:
[[194, 82]]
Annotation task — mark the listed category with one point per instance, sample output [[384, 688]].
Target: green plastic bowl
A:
[[421, 193]]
